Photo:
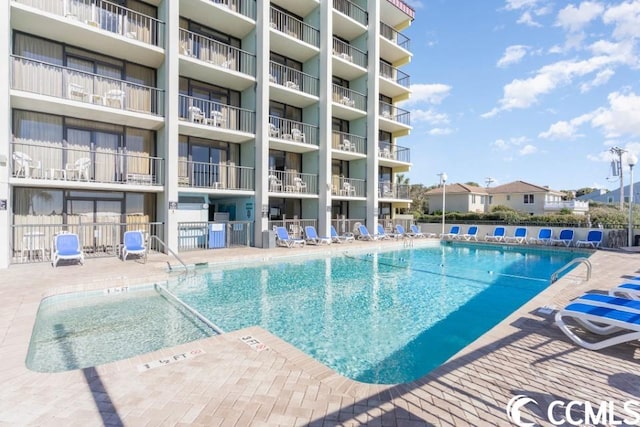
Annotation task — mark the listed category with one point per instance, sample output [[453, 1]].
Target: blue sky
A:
[[530, 90]]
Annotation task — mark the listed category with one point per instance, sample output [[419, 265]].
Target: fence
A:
[[214, 235]]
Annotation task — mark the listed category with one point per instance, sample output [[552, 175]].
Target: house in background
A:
[[613, 196], [458, 198]]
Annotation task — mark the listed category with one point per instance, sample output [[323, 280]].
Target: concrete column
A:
[[373, 48], [324, 154], [5, 135]]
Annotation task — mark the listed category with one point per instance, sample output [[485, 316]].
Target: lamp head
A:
[[632, 159], [444, 177]]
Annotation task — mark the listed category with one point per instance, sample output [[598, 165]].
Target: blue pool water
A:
[[378, 318], [386, 317]]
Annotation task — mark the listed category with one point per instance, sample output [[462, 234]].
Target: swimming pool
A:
[[385, 317]]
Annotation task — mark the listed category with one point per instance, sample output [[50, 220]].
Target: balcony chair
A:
[[297, 135], [114, 98], [196, 115], [75, 91], [79, 169], [25, 166]]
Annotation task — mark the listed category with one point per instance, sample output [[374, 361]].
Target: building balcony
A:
[[224, 177], [66, 165], [293, 183], [291, 86], [299, 7], [394, 119], [95, 25], [49, 88], [397, 12], [393, 191], [393, 82], [393, 155], [347, 146], [342, 187], [292, 37], [394, 46], [349, 19], [348, 104], [234, 17], [213, 120], [575, 206], [349, 62], [200, 56], [289, 135]]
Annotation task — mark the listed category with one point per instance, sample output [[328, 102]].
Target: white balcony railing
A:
[[348, 187], [391, 190], [349, 97], [573, 205], [352, 10], [394, 36], [349, 53], [394, 152], [106, 16], [215, 114], [391, 112], [293, 79], [294, 27], [395, 74], [290, 130], [243, 7], [292, 182], [348, 142], [218, 176], [217, 53], [62, 82]]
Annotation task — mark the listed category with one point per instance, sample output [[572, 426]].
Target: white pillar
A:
[[5, 134]]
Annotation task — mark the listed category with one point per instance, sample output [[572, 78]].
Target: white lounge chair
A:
[[283, 239], [417, 233], [472, 233], [594, 238], [346, 237], [620, 323], [565, 237], [66, 246], [454, 231], [311, 236], [133, 244], [544, 237], [519, 236], [497, 236]]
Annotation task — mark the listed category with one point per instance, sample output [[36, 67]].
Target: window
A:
[[528, 199], [508, 197], [473, 198]]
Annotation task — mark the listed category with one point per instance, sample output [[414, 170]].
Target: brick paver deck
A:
[[232, 384]]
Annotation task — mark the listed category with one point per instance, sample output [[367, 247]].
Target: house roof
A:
[[458, 189], [521, 187]]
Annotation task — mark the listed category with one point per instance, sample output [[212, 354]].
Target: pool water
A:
[[382, 318], [80, 330], [387, 317]]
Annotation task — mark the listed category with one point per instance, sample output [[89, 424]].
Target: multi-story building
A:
[[153, 113]]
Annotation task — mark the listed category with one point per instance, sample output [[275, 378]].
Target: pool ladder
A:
[[175, 255], [581, 260]]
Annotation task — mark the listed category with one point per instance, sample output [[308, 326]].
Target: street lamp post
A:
[[443, 181], [618, 171], [631, 161]]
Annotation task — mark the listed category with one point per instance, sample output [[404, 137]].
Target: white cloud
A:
[[566, 130], [527, 19], [440, 131], [512, 55], [430, 93], [528, 149], [621, 118], [416, 4], [574, 19], [429, 116], [626, 19], [601, 78], [503, 145], [520, 4]]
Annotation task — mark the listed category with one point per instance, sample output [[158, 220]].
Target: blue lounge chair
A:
[[627, 290], [565, 237], [601, 319], [346, 237], [283, 239], [519, 236], [417, 233], [594, 238], [544, 237], [66, 246], [364, 233], [472, 233], [454, 231], [497, 236], [311, 236], [384, 235], [133, 244]]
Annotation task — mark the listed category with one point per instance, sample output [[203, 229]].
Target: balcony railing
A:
[[294, 27], [391, 112], [392, 73], [243, 7], [292, 182], [64, 161], [394, 36], [294, 226], [349, 53], [394, 152], [214, 235], [290, 130], [391, 190], [349, 187], [106, 16], [574, 205], [218, 176], [352, 10], [61, 82], [348, 97], [348, 142], [216, 53], [212, 113], [293, 79]]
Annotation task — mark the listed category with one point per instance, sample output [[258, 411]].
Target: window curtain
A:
[[38, 77], [40, 136], [139, 149]]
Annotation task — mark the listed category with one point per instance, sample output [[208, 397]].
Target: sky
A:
[[531, 90]]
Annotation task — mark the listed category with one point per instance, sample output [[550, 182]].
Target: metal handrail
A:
[[190, 309], [171, 252], [581, 260]]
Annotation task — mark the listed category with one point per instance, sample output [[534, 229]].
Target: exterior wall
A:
[[517, 202]]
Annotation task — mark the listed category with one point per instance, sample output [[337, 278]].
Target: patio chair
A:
[[133, 244], [299, 185], [364, 233], [565, 237], [497, 236], [297, 135], [337, 238], [196, 115], [283, 239], [472, 233], [519, 236], [348, 189], [79, 169], [275, 184], [66, 246], [543, 238], [274, 132], [383, 235], [24, 165], [610, 317], [114, 98], [454, 231], [594, 238], [417, 233], [627, 290], [311, 236]]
